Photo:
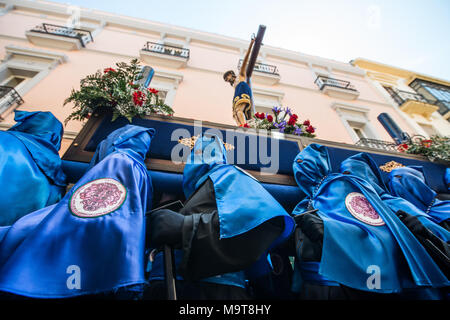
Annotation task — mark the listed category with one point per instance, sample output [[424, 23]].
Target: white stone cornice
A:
[[46, 54], [150, 26]]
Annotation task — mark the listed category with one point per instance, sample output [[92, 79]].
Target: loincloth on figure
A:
[[242, 103]]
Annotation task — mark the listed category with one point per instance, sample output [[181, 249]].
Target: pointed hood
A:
[[41, 133], [362, 165], [132, 139], [310, 166], [409, 183], [207, 153]]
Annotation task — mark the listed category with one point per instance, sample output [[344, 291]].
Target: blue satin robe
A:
[[30, 167], [242, 202], [353, 246], [364, 167], [410, 184], [93, 240], [237, 214]]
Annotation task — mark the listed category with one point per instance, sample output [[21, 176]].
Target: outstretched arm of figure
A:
[[245, 61]]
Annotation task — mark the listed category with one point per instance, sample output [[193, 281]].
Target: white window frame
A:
[[277, 97], [167, 81], [350, 119], [41, 69], [429, 124]]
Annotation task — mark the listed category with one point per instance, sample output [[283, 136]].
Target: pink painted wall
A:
[[202, 94]]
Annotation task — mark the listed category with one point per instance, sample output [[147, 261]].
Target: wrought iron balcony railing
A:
[[9, 96], [377, 144], [400, 97], [262, 67], [166, 49], [84, 36], [322, 82]]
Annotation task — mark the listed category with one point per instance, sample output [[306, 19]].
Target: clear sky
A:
[[410, 34]]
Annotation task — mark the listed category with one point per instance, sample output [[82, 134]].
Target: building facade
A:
[[423, 101], [46, 48]]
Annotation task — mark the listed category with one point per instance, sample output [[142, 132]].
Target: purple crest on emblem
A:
[[100, 195]]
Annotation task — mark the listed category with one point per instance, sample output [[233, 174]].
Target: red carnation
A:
[[292, 120], [109, 70], [138, 98], [153, 90], [306, 123], [269, 118], [402, 147], [260, 115], [294, 116], [310, 129]]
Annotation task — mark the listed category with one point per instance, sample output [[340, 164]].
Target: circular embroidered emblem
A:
[[361, 209], [97, 198]]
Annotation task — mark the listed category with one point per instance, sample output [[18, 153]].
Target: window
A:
[[167, 84], [15, 78], [429, 129], [264, 100], [437, 93], [162, 95], [21, 70], [359, 132], [262, 109], [355, 120]]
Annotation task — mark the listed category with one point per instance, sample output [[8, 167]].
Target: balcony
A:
[[164, 55], [8, 97], [60, 37], [377, 144], [264, 73], [414, 103], [336, 88]]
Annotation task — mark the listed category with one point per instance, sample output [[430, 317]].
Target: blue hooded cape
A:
[[30, 165], [237, 214], [360, 231], [363, 166], [410, 184], [93, 240]]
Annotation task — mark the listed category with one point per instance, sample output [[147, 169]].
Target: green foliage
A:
[[435, 148], [116, 89]]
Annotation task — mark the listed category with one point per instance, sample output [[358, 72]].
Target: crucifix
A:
[[243, 107]]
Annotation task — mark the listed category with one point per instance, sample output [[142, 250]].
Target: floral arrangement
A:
[[119, 90], [282, 120], [435, 148]]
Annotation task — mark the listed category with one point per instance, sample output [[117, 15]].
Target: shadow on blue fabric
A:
[[363, 166], [30, 165], [410, 184], [93, 240], [360, 230]]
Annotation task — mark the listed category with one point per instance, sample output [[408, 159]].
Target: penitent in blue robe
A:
[[361, 234], [410, 184], [242, 202], [364, 167], [92, 241], [30, 167]]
